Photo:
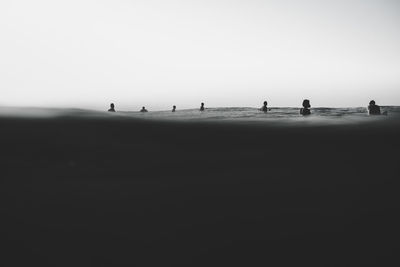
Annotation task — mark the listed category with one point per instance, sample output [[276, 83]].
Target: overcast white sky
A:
[[87, 53]]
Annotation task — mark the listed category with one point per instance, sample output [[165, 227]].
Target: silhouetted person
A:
[[305, 110], [173, 108], [264, 107], [143, 109], [374, 109], [202, 107], [111, 108]]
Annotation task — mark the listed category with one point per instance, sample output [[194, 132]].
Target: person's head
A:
[[372, 102], [112, 105], [306, 103], [202, 104], [174, 107], [265, 103]]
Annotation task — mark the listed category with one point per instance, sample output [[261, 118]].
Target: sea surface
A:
[[247, 113], [239, 114]]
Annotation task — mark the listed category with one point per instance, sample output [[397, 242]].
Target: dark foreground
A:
[[105, 192]]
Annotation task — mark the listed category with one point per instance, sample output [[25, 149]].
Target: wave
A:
[[218, 113]]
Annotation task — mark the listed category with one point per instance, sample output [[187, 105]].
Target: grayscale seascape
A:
[[199, 133]]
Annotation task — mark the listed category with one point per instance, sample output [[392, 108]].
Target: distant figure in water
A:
[[305, 110], [202, 107], [111, 108], [374, 109], [143, 109], [264, 107], [173, 108]]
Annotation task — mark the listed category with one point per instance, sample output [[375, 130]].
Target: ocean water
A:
[[238, 114], [275, 114]]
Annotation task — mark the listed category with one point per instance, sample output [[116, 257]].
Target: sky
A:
[[226, 53]]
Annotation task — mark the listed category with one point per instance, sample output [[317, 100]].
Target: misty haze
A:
[[87, 53]]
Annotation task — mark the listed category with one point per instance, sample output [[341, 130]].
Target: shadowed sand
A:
[[113, 191]]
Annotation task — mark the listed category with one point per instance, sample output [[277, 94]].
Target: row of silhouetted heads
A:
[[373, 108]]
